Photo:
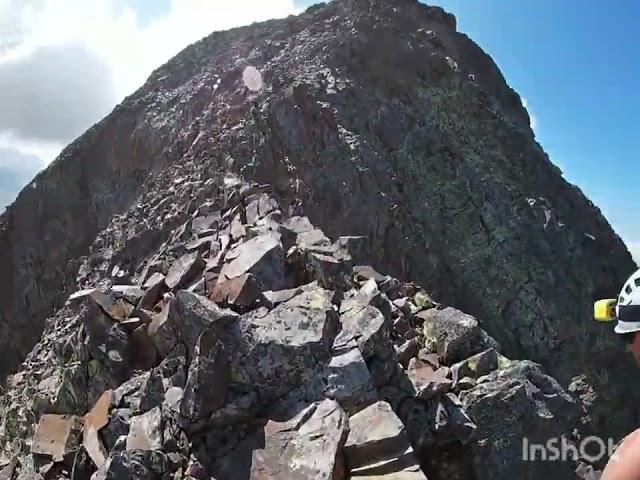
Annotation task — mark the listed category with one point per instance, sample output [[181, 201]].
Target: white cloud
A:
[[533, 120], [65, 63]]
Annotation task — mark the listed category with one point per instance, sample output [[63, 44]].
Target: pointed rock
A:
[[208, 379], [94, 421]]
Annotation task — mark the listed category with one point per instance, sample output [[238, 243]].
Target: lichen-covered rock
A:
[[285, 348], [454, 335], [511, 404], [365, 328]]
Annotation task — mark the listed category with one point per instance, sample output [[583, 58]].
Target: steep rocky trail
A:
[[373, 118], [250, 345]]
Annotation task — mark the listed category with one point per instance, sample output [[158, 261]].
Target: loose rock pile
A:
[[251, 346]]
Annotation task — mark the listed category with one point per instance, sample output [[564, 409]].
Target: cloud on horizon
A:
[[64, 64], [16, 170]]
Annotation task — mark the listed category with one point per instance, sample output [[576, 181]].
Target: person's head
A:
[[632, 340], [628, 315]]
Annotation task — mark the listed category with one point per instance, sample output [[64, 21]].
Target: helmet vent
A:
[[628, 290]]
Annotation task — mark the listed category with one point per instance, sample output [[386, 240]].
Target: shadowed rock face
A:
[[381, 120]]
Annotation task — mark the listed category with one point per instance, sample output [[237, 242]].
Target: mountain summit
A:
[[371, 122]]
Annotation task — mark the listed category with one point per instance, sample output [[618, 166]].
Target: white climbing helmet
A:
[[628, 307]]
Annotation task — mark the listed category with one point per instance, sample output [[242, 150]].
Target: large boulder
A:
[[514, 404], [287, 347]]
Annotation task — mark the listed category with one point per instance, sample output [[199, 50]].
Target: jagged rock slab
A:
[[57, 436], [349, 381], [378, 446], [306, 447]]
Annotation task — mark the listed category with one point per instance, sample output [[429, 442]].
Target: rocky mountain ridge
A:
[[253, 346], [376, 120]]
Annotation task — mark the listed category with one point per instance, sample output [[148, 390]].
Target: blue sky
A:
[[575, 62]]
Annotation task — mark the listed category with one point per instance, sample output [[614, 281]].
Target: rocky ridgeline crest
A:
[[250, 345]]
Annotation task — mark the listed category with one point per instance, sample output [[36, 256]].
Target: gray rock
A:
[[454, 335], [306, 447], [131, 293], [29, 476], [407, 351], [513, 403], [134, 465], [375, 433], [7, 471], [208, 379], [427, 381], [261, 256], [117, 427], [378, 446], [364, 328], [286, 347], [274, 298], [155, 288], [437, 422], [478, 365], [349, 382], [151, 392], [184, 271], [145, 431], [187, 316], [311, 238]]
